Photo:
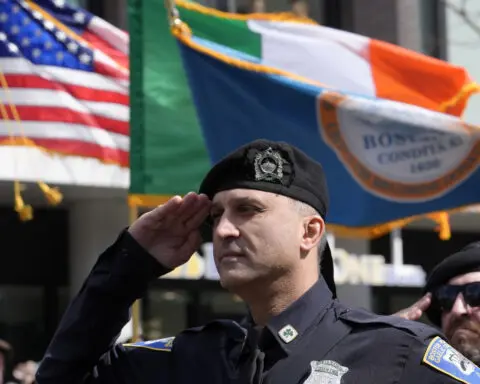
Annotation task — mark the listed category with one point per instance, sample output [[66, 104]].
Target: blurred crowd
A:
[[10, 373]]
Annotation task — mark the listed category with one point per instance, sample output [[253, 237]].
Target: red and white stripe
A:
[[73, 112]]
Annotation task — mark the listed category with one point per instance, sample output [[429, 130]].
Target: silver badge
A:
[[326, 372], [268, 166]]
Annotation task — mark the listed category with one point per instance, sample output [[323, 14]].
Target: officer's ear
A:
[[313, 229]]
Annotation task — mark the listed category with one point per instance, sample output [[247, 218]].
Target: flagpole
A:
[[172, 11], [396, 247], [136, 315]]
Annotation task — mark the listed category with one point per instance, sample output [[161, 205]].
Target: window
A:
[[432, 19]]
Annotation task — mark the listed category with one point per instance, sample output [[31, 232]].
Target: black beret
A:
[[279, 168], [465, 261]]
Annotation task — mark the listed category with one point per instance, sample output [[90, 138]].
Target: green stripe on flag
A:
[[168, 154], [231, 33]]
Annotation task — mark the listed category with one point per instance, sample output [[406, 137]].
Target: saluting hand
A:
[[415, 311], [170, 232]]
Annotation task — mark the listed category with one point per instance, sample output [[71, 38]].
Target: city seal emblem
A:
[[325, 372], [397, 151]]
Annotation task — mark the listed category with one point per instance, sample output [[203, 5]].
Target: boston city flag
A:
[[382, 120]]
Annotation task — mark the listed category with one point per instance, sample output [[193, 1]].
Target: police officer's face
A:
[[257, 236], [461, 324]]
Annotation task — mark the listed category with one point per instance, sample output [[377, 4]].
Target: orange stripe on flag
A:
[[407, 76]]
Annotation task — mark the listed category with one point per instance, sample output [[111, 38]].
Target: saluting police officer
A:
[[266, 203]]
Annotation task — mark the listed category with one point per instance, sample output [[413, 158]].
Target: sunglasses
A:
[[444, 297]]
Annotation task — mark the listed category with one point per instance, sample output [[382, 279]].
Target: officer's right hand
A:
[[170, 232], [415, 311]]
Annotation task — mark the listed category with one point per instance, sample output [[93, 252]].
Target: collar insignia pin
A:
[[288, 334]]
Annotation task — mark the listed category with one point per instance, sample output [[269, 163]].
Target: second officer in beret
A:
[[266, 203]]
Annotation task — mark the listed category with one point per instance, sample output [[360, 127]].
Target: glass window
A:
[[222, 305], [164, 313], [432, 19], [22, 320]]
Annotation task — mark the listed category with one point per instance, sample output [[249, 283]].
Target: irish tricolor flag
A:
[[335, 58]]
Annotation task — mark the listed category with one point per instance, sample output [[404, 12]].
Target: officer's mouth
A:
[[230, 257]]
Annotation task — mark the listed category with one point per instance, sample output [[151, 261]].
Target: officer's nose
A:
[[460, 307], [225, 228]]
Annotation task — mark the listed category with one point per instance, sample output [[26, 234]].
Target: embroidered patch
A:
[[156, 345], [446, 359], [288, 333], [325, 371]]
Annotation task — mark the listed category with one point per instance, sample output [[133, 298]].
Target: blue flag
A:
[[385, 161]]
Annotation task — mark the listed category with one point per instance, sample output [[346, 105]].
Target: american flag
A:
[[67, 74]]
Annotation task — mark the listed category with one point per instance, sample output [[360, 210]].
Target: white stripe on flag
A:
[[21, 66], [65, 131], [116, 37], [334, 58], [55, 98]]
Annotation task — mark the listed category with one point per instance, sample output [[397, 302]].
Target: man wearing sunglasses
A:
[[452, 300]]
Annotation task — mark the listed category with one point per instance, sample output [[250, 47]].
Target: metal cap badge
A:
[[268, 165]]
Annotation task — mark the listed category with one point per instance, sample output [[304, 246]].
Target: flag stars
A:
[[38, 33], [36, 53], [37, 15], [61, 35], [59, 56], [48, 44], [72, 47], [48, 25], [14, 30], [79, 17], [25, 42], [26, 21], [12, 48], [15, 9], [3, 17], [85, 58]]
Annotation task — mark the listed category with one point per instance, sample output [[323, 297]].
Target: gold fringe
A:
[[279, 16], [183, 33], [464, 94]]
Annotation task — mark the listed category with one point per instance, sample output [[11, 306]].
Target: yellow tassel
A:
[[443, 228], [25, 212], [53, 195]]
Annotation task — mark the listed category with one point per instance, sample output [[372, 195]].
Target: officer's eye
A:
[[215, 215], [249, 208]]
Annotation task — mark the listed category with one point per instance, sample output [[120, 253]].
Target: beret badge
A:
[[269, 166]]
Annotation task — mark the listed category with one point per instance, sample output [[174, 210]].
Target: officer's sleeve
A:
[[438, 362], [96, 316]]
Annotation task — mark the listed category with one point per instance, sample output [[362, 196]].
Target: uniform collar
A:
[[289, 327]]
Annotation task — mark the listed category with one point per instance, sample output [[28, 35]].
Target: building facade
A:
[[47, 259]]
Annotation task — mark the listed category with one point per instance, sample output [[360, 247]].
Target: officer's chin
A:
[[234, 280]]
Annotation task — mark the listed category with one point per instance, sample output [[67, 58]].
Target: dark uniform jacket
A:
[[316, 340]]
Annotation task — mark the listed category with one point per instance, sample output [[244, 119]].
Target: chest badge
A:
[[326, 372]]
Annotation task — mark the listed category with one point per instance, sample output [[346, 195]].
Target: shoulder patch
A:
[[444, 358], [155, 345]]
